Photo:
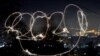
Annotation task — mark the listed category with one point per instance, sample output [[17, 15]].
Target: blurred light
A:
[[2, 45]]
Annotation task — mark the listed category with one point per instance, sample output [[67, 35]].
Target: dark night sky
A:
[[47, 5], [90, 7]]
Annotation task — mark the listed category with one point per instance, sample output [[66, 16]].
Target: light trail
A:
[[82, 20]]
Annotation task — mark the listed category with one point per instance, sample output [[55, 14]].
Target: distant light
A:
[[69, 37], [38, 47], [84, 53], [99, 44], [2, 45], [65, 45]]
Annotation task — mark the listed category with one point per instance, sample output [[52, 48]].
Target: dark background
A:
[[90, 7]]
